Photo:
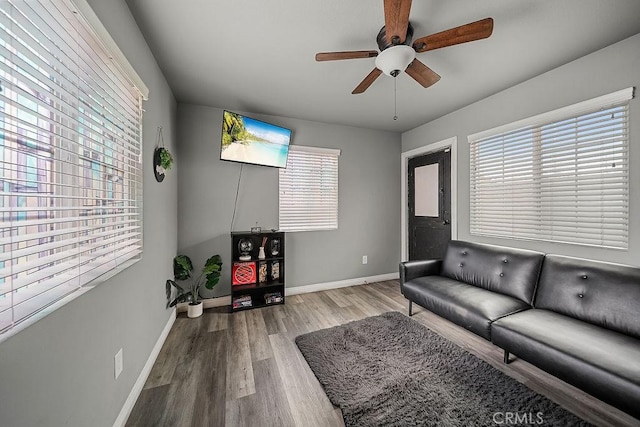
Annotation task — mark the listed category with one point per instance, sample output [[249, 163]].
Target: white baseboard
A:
[[123, 416], [316, 287], [207, 303]]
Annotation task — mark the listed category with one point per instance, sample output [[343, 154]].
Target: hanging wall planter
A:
[[162, 159]]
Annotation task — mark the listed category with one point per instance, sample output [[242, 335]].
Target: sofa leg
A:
[[410, 308], [506, 357]]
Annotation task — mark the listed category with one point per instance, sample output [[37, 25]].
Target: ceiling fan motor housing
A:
[[383, 43]]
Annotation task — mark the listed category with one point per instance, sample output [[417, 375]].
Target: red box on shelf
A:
[[243, 273]]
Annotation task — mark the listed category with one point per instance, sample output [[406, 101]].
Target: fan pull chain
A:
[[395, 98]]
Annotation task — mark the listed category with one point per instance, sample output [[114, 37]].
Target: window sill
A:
[[65, 300]]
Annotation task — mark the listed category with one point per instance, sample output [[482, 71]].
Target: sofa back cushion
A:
[[597, 292], [509, 271]]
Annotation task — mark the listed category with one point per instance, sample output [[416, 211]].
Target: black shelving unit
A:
[[257, 282]]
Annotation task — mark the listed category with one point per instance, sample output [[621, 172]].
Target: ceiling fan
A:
[[397, 54]]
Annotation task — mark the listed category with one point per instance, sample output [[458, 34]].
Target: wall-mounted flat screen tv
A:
[[248, 140]]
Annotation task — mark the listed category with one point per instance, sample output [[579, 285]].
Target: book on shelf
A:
[[242, 301], [242, 305], [273, 297]]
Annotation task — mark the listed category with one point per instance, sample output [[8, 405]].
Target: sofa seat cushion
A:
[[466, 305], [601, 362]]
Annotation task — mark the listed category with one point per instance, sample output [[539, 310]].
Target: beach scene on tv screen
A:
[[252, 141]]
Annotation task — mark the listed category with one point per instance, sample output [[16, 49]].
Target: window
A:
[[562, 176], [309, 190], [70, 154]]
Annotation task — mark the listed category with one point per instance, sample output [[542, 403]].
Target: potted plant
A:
[[190, 292], [162, 161], [166, 159]]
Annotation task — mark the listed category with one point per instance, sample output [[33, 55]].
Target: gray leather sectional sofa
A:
[[574, 318]]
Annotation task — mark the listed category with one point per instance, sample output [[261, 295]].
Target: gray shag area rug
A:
[[389, 370]]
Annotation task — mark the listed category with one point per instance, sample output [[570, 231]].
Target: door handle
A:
[[445, 222]]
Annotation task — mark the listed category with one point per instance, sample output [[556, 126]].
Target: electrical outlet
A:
[[364, 259], [117, 363]]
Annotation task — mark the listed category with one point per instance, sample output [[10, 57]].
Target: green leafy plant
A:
[[166, 159], [190, 291]]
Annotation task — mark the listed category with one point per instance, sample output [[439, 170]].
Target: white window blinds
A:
[[562, 176], [70, 153], [309, 190]]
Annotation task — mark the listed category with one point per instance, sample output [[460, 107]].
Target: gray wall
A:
[[608, 70], [369, 199], [59, 371]]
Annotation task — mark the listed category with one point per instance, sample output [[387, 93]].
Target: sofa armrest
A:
[[412, 269]]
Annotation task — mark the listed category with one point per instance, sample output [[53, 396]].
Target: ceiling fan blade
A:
[[422, 74], [396, 20], [364, 85], [462, 34], [355, 54]]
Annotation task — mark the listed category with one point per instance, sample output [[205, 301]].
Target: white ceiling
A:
[[258, 56]]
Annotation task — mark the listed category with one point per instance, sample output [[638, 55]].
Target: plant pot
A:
[[158, 170], [194, 310]]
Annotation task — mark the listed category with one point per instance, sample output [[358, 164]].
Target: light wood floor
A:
[[244, 369]]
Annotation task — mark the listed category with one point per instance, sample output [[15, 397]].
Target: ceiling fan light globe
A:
[[395, 58]]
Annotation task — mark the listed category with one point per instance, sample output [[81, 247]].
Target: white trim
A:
[[317, 287], [207, 303], [123, 416], [93, 22], [320, 150], [583, 107], [451, 143]]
